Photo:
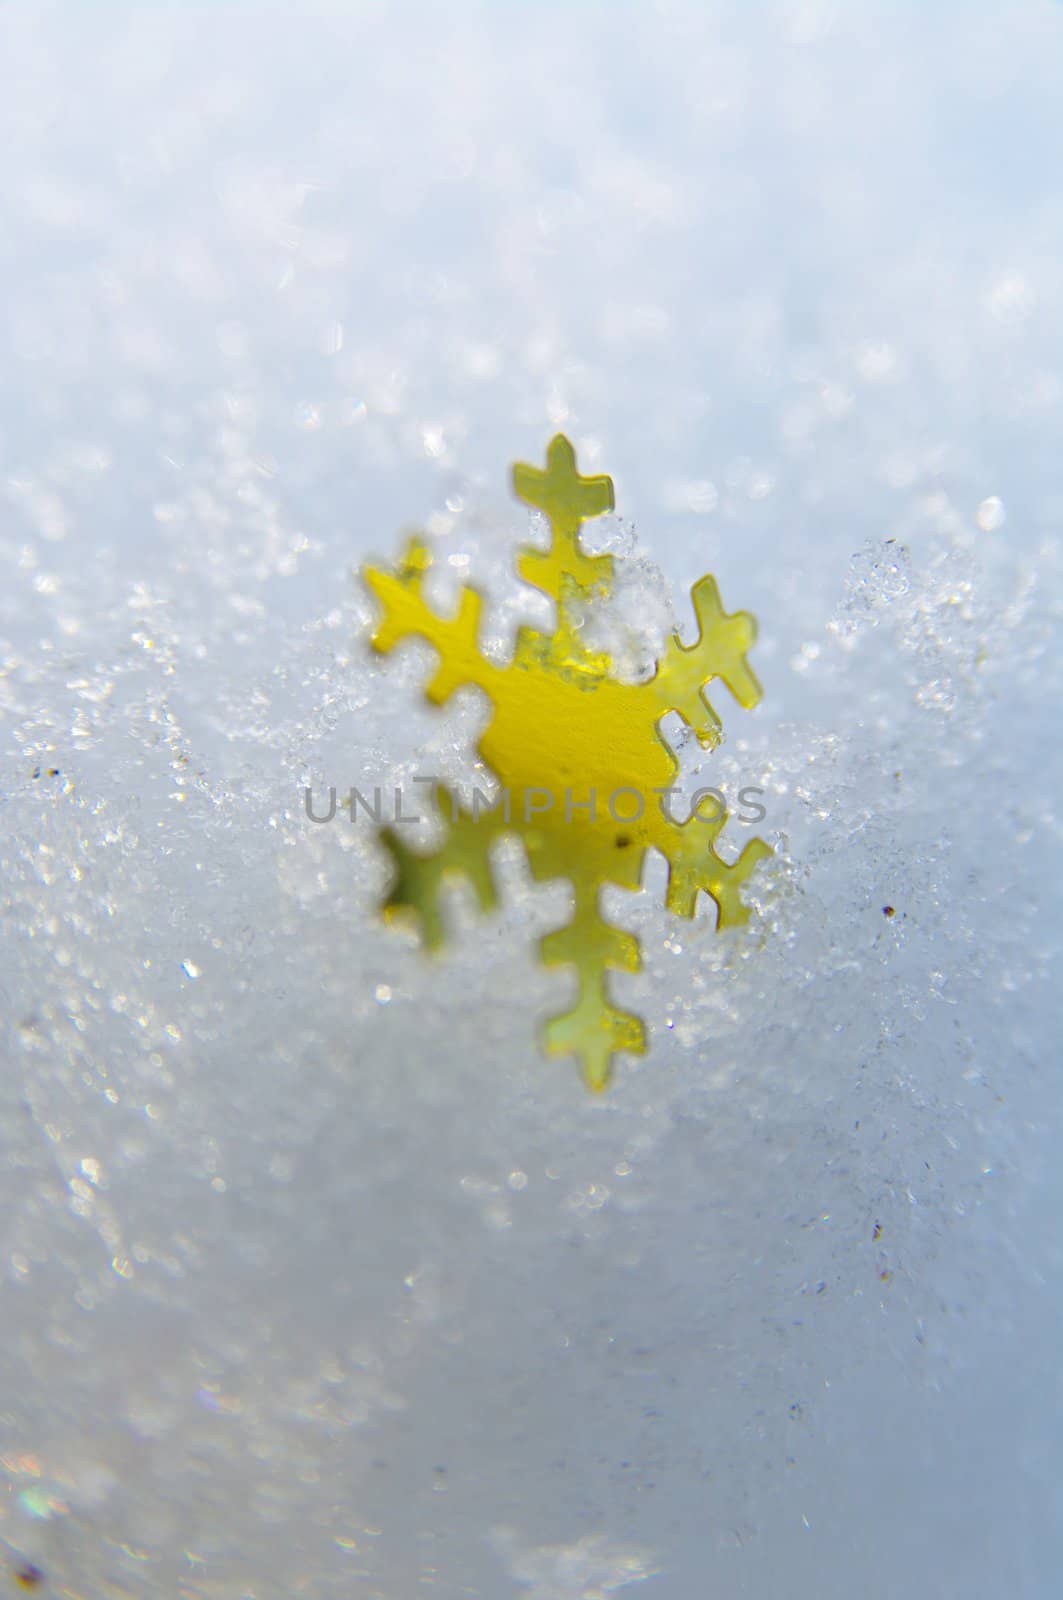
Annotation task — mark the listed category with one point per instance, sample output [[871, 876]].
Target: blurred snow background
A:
[[316, 1279]]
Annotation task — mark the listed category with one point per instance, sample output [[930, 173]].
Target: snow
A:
[[315, 1278]]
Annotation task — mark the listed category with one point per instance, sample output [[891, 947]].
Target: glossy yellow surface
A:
[[573, 748]]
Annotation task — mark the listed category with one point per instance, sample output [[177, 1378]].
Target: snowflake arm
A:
[[407, 614], [568, 500], [685, 671], [419, 876], [694, 864], [594, 1030]]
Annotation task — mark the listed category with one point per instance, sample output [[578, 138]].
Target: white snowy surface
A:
[[315, 1278]]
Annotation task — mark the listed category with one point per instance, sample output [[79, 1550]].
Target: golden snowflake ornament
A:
[[585, 774]]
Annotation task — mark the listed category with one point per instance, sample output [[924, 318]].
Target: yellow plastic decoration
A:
[[586, 777]]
